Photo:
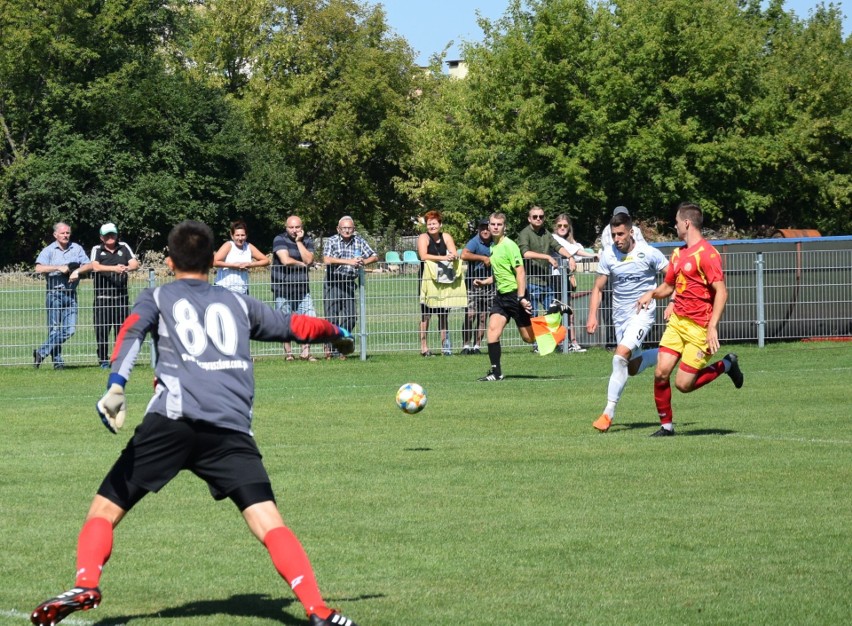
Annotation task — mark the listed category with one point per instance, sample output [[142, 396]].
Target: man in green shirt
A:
[[540, 252], [511, 301]]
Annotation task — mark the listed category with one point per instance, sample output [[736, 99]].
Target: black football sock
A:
[[494, 353]]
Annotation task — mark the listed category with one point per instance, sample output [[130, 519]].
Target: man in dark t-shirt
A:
[[292, 256], [477, 254], [111, 261]]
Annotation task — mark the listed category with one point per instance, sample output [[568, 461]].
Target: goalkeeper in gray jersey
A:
[[199, 418]]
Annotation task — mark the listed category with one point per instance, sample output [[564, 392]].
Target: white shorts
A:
[[632, 331]]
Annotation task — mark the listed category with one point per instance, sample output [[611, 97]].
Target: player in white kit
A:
[[632, 267]]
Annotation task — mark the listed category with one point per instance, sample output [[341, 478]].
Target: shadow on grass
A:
[[251, 605], [532, 377], [705, 431], [633, 426], [698, 432]]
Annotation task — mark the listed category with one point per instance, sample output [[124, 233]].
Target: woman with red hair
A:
[[436, 246]]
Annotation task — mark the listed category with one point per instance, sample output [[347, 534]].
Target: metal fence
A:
[[784, 294]]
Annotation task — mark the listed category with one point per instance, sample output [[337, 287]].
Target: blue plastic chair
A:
[[409, 257], [393, 260]]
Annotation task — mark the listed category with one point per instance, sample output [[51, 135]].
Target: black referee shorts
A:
[[509, 306], [227, 460]]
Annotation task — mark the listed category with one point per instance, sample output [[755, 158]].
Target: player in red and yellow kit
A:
[[696, 278]]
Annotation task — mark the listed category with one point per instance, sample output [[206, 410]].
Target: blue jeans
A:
[[61, 308], [305, 306], [540, 295]]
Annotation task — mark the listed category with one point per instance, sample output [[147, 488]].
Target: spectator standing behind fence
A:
[[344, 254], [111, 261], [234, 259], [606, 233], [477, 255], [564, 236], [438, 247], [292, 256], [64, 263], [538, 249]]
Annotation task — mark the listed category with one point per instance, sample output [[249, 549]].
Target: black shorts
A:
[[227, 460], [509, 306]]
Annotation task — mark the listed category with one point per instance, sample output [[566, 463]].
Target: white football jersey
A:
[[630, 276]]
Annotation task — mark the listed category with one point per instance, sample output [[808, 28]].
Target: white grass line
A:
[[835, 442], [71, 621]]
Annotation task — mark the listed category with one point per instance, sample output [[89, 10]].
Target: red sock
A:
[[94, 546], [663, 400], [292, 563], [709, 373]]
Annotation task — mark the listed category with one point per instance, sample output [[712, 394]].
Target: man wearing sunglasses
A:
[[538, 249]]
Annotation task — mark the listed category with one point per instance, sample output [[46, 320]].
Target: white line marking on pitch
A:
[[793, 439], [71, 621]]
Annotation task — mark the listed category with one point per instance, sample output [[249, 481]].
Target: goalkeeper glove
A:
[[344, 344], [112, 408]]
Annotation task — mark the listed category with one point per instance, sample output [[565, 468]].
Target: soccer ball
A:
[[411, 398]]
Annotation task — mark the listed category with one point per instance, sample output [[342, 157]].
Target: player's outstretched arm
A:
[[308, 329], [269, 325]]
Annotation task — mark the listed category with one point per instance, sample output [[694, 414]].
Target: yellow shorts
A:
[[687, 339]]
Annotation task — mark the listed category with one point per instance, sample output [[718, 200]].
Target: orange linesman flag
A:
[[549, 332]]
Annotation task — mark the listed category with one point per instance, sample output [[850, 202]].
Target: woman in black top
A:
[[437, 246]]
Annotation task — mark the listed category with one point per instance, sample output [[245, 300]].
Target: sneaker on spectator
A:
[[559, 307]]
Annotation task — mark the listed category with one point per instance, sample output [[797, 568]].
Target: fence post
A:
[[152, 282], [564, 271], [761, 304], [362, 313]]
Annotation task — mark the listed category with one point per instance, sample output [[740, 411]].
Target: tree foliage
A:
[[582, 106], [143, 112], [331, 93]]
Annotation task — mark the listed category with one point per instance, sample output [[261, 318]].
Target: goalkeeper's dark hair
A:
[[191, 247]]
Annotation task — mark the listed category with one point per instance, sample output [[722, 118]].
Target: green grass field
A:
[[499, 504]]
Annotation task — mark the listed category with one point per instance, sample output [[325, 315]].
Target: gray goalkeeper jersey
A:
[[204, 369]]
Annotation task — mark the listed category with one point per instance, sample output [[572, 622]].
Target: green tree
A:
[[102, 122], [331, 90], [581, 106]]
